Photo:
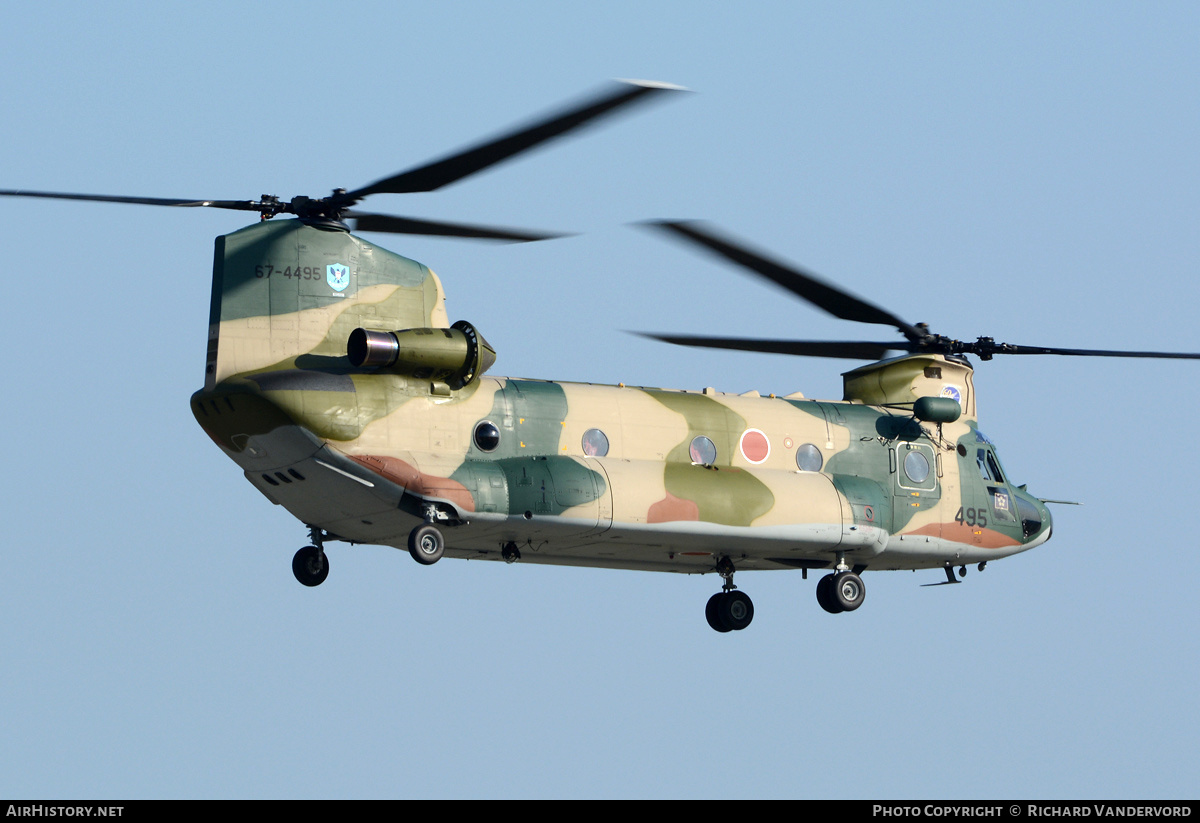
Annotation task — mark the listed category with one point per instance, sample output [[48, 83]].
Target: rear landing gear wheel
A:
[[712, 613], [311, 566], [729, 611], [735, 610], [426, 544]]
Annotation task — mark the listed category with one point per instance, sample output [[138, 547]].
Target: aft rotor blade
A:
[[240, 205], [842, 349], [442, 172], [796, 280], [408, 225]]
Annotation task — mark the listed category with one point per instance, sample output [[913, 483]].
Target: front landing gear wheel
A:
[[426, 544], [848, 591], [311, 566]]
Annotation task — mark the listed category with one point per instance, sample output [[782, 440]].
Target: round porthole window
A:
[[487, 436], [703, 451], [916, 466], [595, 443], [809, 458]]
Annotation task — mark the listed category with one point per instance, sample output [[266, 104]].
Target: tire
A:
[[712, 613], [426, 545], [311, 566], [825, 595], [735, 610], [848, 591]]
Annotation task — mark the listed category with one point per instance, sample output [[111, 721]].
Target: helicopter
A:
[[336, 382]]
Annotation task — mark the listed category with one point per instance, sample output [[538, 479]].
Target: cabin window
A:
[[595, 443], [487, 436], [916, 466], [809, 458], [703, 451]]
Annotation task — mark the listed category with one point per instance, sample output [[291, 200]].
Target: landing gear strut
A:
[[425, 542], [310, 565], [729, 609]]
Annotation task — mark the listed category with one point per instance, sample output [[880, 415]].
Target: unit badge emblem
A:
[[338, 276]]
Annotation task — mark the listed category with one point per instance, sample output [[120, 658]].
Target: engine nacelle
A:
[[454, 356]]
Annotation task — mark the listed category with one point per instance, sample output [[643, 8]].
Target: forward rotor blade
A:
[[442, 172], [408, 225], [1009, 348], [240, 205], [799, 282], [842, 349]]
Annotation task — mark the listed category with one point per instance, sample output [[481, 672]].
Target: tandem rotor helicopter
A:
[[336, 382]]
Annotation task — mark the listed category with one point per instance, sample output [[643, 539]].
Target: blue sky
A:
[[1020, 170]]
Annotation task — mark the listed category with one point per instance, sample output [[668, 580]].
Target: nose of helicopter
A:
[[1036, 523], [1040, 526]]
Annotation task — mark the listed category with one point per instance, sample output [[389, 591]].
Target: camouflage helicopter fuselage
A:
[[572, 473]]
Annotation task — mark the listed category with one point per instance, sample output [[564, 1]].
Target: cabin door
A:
[[915, 488]]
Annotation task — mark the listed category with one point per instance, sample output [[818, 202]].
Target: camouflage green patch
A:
[[704, 416], [724, 495], [731, 497], [488, 483], [280, 267], [529, 415], [329, 415], [323, 391], [872, 435], [869, 502], [547, 485], [536, 479], [539, 409], [809, 407]]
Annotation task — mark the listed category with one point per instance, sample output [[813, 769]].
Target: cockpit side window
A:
[[981, 462], [989, 467], [997, 475]]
